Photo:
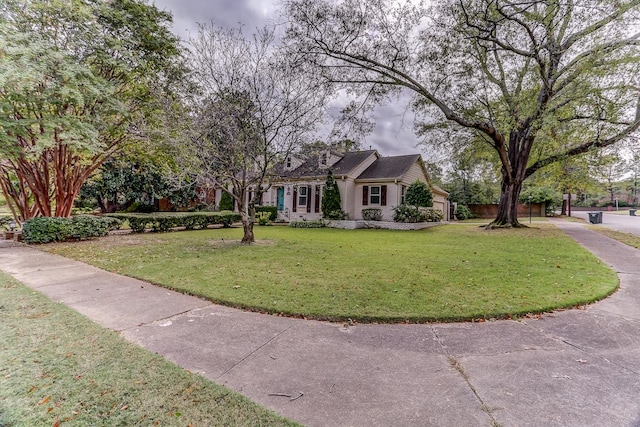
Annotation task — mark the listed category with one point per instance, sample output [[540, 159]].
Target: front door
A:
[[280, 198]]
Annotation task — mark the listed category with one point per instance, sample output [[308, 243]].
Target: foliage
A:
[[431, 214], [4, 222], [271, 210], [372, 214], [457, 272], [462, 212], [411, 214], [537, 83], [77, 83], [407, 213], [546, 195], [263, 218], [226, 202], [54, 229], [331, 204], [162, 222], [308, 224], [94, 377], [121, 182], [419, 194]]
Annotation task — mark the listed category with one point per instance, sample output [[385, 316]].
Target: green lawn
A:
[[56, 366], [455, 272]]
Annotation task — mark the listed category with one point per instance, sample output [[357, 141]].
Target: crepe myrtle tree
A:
[[76, 84], [252, 108], [537, 81]]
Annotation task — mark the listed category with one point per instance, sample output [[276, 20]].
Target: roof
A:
[[311, 167], [390, 167]]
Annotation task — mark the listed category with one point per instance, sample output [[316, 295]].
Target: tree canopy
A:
[[537, 81], [76, 83]]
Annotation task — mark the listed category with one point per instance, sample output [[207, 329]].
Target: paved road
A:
[[570, 368], [624, 223]]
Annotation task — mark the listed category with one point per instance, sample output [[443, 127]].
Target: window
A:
[[288, 162], [302, 196], [374, 195], [403, 193], [323, 159]]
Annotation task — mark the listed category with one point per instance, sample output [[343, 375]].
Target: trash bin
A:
[[632, 212], [595, 217]]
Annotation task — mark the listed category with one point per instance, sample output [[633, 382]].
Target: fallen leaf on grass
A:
[[45, 400]]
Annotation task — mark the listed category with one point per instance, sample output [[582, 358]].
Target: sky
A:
[[393, 134]]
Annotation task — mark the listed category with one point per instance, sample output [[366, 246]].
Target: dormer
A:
[[327, 158], [291, 162]]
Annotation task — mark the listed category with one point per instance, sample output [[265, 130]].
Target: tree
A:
[[538, 81], [120, 182], [331, 204], [419, 194], [254, 108], [76, 84]]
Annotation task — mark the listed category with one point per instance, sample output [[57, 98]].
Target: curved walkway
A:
[[569, 368]]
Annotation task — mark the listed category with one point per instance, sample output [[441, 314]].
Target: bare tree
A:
[[254, 109], [539, 81]]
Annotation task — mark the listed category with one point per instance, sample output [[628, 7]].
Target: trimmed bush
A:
[[162, 222], [372, 214], [463, 212], [412, 214], [431, 214], [308, 224], [419, 194], [52, 229], [406, 213], [272, 210]]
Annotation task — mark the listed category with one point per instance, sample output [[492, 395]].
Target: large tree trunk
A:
[[508, 205]]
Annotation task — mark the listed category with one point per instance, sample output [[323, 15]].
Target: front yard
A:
[[451, 273]]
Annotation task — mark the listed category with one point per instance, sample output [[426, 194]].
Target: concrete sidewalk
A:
[[570, 368]]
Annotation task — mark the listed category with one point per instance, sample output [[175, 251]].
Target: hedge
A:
[[273, 211], [160, 222], [53, 229]]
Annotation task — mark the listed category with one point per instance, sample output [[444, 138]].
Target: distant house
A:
[[365, 179]]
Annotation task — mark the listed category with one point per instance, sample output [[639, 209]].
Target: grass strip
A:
[[59, 368], [449, 273], [626, 238]]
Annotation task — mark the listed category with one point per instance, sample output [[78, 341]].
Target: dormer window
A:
[[288, 162], [323, 159]]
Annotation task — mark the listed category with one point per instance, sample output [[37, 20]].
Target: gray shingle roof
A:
[[311, 167], [389, 167]]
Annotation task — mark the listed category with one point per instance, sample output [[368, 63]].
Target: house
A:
[[365, 179]]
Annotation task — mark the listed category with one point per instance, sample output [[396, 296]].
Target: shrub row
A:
[[412, 214], [308, 224], [372, 214], [164, 222], [52, 229]]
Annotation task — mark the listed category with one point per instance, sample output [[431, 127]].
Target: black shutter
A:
[[365, 195], [316, 207], [309, 199], [383, 195], [295, 200]]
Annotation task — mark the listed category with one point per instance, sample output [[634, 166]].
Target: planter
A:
[[9, 235]]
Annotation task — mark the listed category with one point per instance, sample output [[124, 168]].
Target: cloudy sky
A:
[[393, 134]]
